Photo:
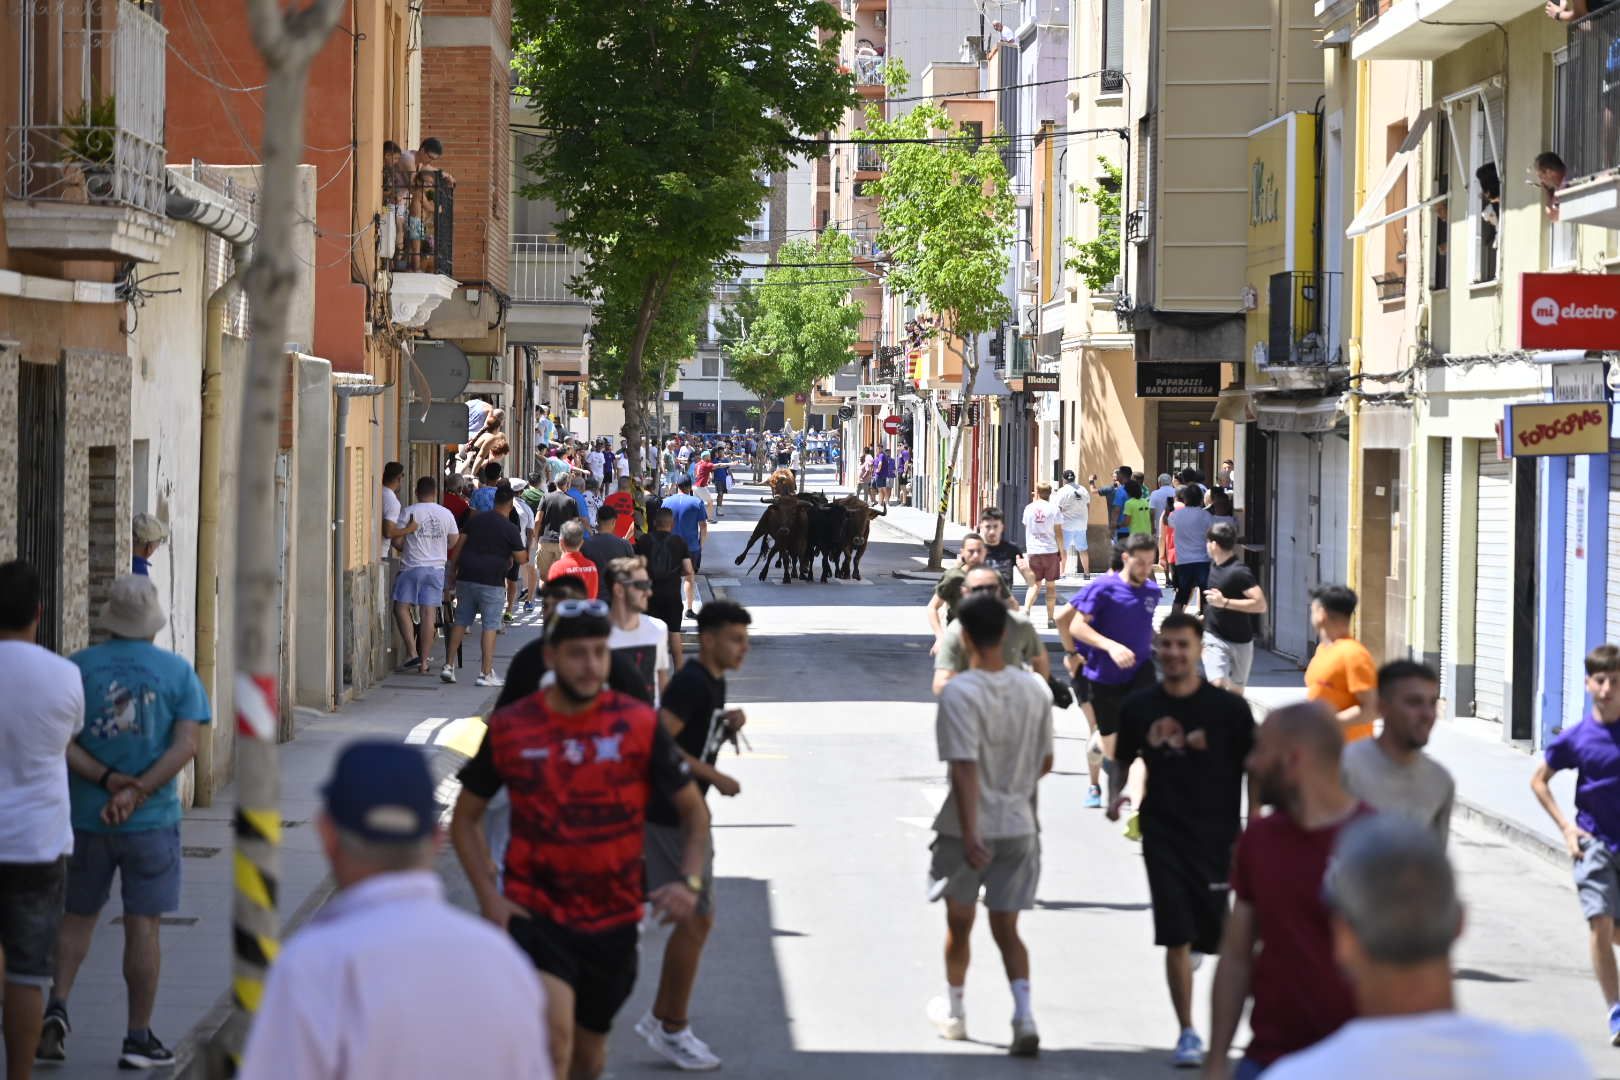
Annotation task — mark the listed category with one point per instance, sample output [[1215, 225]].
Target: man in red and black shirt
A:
[[581, 763]]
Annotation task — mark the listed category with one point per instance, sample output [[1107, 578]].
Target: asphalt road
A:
[[826, 950]]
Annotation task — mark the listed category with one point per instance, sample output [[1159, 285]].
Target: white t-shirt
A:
[[1074, 505], [1003, 721], [596, 461], [1434, 1046], [648, 647], [44, 697], [1039, 518], [390, 512], [525, 514], [435, 531]]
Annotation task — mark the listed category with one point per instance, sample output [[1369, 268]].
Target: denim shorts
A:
[[473, 600], [1597, 880], [147, 862], [420, 585], [30, 913]]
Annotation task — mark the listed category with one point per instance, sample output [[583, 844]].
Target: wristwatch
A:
[[694, 882]]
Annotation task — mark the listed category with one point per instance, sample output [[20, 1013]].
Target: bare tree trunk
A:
[[288, 40], [652, 298], [970, 375]]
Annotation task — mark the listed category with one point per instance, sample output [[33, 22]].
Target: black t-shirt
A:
[[1232, 580], [491, 541], [602, 548], [556, 509], [529, 667], [665, 585], [1003, 559], [699, 699], [1195, 748]]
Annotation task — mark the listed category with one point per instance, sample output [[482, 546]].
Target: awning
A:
[[1234, 404], [1371, 215], [1305, 417]]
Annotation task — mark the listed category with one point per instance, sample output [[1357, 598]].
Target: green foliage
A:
[[671, 340], [90, 132], [797, 327], [659, 119], [947, 215], [1097, 260]]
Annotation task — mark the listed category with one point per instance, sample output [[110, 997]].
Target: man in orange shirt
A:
[[572, 538], [625, 503], [1342, 673]]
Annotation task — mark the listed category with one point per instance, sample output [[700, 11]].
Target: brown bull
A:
[[783, 483], [857, 528], [782, 532]]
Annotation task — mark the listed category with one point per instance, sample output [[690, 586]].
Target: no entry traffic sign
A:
[[891, 425]]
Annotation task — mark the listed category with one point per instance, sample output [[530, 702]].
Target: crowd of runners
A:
[[1308, 852]]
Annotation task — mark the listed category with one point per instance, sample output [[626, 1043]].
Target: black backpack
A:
[[661, 562]]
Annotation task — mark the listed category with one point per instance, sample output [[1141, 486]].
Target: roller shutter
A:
[[1493, 554], [1574, 650], [1448, 578]]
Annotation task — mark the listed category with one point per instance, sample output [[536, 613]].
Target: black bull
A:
[[795, 529]]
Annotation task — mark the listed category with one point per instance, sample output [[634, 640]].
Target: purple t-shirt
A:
[[1123, 613], [1592, 749]]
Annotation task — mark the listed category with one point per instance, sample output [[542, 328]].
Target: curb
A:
[[1515, 834]]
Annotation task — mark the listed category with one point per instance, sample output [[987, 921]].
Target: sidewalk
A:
[[193, 993], [1492, 777]]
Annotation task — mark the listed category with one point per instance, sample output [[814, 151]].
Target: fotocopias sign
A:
[[1548, 429], [1570, 311]]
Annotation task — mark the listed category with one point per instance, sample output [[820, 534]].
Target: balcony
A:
[[1427, 29], [85, 168], [868, 163], [416, 242], [1591, 127], [1301, 344], [546, 310], [869, 74], [867, 333]]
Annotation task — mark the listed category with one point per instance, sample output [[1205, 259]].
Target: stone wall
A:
[[96, 539]]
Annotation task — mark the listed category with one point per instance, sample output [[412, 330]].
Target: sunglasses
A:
[[985, 588], [643, 584], [573, 609]]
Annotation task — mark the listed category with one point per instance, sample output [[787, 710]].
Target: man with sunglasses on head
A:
[[582, 763]]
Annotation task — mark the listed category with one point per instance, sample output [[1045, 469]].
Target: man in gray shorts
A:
[[988, 836], [1232, 601]]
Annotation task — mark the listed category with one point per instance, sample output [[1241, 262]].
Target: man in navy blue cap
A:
[[388, 979]]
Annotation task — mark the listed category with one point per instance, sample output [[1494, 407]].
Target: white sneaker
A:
[[1197, 960], [682, 1049], [491, 679], [447, 673], [1026, 1041], [950, 1027], [644, 1027]]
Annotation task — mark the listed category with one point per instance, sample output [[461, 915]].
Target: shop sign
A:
[[1176, 380], [1579, 382], [1551, 430], [874, 394], [1037, 381], [1570, 311]]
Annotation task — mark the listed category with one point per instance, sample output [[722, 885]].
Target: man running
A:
[[1021, 646], [1342, 672], [1391, 773], [1278, 944], [582, 764], [994, 728], [669, 563], [1191, 523], [948, 593], [1195, 738], [1074, 507], [695, 715], [1232, 601], [1043, 532], [1113, 619], [1001, 554], [639, 637], [691, 523], [573, 560]]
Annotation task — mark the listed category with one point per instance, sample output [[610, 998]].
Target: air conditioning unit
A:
[[387, 235], [1029, 320]]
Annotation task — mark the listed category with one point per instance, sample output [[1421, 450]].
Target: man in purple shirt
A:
[[1592, 748], [1113, 618]]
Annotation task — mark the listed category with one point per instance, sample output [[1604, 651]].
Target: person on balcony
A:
[[1569, 10], [1551, 174]]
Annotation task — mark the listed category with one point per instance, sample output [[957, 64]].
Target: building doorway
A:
[[1187, 437]]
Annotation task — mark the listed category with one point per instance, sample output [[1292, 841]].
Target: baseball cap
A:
[[149, 530], [1068, 476], [381, 791]]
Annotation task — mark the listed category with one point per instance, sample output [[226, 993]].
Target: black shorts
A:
[[600, 967], [1189, 890], [1106, 698], [31, 903], [512, 572], [667, 609], [1081, 685]]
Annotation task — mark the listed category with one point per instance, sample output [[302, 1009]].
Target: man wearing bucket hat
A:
[[149, 534], [388, 979], [143, 708]]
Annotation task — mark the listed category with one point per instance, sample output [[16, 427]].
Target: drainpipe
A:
[[1358, 269], [340, 489]]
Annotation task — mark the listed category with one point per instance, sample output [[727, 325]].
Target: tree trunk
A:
[[652, 297], [288, 42], [970, 375]]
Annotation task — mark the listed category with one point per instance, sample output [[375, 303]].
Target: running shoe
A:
[[690, 614], [1614, 1025], [413, 664], [447, 673], [528, 606], [1026, 1041], [491, 679], [950, 1027], [507, 616], [682, 1049], [144, 1053], [1132, 829], [1093, 798], [1189, 1051], [53, 1035]]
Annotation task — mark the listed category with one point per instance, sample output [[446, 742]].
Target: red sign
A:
[[891, 425], [1570, 311]]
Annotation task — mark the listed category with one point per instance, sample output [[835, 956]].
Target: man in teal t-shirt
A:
[[143, 711]]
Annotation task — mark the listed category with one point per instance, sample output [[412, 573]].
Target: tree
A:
[[659, 121], [288, 40], [947, 225], [1097, 260], [798, 325]]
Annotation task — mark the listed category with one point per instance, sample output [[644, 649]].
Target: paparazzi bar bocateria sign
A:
[[1158, 380], [1570, 311]]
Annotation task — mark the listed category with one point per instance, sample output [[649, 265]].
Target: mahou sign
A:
[[1551, 429], [1570, 311]]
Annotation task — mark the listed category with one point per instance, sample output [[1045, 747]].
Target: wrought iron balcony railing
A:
[[1591, 124], [1302, 303], [424, 209]]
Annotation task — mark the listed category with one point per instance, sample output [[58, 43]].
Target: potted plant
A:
[[89, 136]]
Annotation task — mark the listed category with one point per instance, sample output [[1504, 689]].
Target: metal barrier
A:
[[1591, 119]]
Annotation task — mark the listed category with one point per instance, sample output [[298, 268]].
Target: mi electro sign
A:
[[1570, 311]]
